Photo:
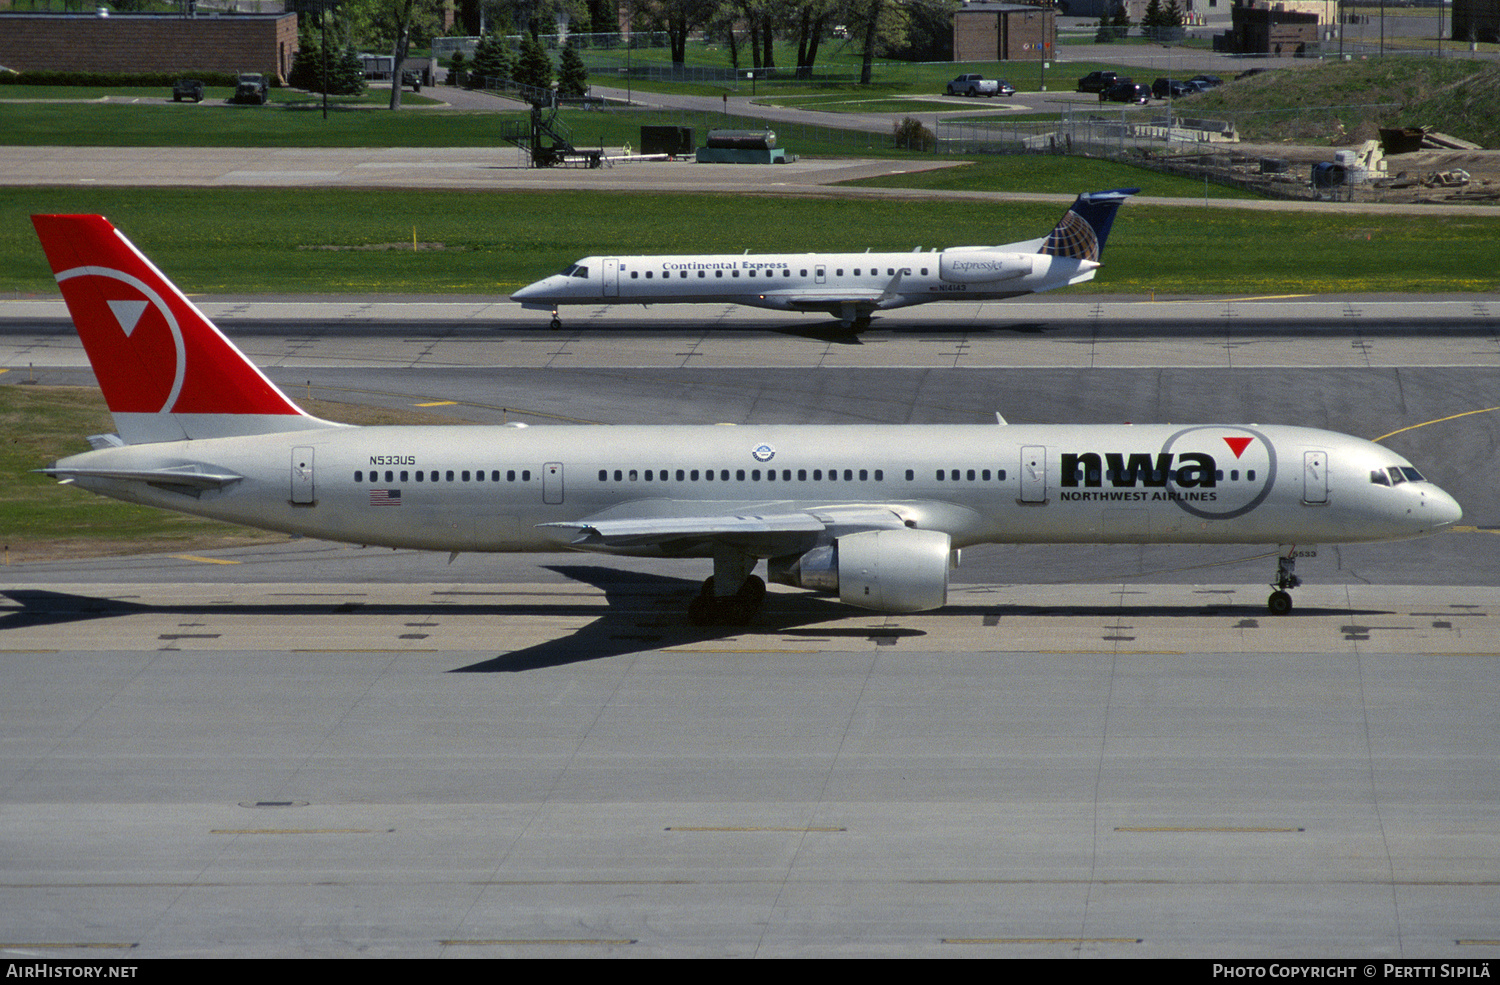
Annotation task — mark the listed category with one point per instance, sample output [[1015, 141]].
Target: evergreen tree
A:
[[491, 61], [346, 74], [534, 68], [572, 75], [456, 67]]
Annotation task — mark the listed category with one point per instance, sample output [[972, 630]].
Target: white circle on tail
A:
[[128, 311]]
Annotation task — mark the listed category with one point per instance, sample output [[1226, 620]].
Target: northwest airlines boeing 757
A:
[[875, 514], [849, 286]]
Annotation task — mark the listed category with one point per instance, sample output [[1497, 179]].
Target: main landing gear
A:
[[1280, 602], [739, 599]]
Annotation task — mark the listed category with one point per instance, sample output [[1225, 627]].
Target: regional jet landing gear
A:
[[740, 598], [1280, 602], [556, 320]]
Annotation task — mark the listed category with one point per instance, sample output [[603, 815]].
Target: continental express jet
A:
[[875, 514], [849, 286]]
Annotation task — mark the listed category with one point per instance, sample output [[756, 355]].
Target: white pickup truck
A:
[[978, 85]]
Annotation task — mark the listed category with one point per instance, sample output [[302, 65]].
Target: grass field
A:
[[250, 241]]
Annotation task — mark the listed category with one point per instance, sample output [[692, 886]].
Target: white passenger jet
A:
[[875, 514], [849, 286]]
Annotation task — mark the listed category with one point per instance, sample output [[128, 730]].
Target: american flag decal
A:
[[385, 497]]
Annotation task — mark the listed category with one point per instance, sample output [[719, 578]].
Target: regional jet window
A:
[[683, 275], [718, 273], [787, 272], [702, 274], [634, 274], [752, 272]]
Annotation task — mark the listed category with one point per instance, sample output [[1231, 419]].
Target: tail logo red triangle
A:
[[1238, 445]]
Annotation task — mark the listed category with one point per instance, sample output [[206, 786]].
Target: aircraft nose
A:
[[529, 291], [1443, 509]]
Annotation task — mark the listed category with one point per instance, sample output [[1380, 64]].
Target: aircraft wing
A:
[[757, 534]]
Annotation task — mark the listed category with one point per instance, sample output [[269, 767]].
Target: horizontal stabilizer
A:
[[193, 476]]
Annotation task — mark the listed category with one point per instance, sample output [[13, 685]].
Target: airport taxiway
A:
[[304, 749]]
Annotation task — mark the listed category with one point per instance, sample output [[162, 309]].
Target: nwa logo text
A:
[[1188, 471]]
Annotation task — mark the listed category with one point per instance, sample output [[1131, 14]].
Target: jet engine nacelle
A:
[[982, 266], [885, 570]]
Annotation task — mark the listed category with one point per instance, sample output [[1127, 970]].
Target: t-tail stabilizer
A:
[[1081, 232], [167, 372]]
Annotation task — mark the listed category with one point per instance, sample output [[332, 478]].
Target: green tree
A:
[[572, 74], [346, 74], [491, 61], [534, 68]]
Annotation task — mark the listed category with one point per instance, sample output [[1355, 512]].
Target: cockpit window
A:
[[1379, 477], [575, 270], [1395, 473], [1412, 474]]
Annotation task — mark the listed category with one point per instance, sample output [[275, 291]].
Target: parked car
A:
[[187, 89], [1212, 81], [978, 85], [1171, 88], [251, 88], [1127, 92], [1099, 81]]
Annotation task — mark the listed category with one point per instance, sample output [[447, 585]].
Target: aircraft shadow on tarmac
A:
[[835, 334], [623, 627]]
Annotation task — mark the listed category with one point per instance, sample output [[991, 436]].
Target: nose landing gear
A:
[[1280, 602], [556, 321]]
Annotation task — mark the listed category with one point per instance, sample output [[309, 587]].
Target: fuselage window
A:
[[924, 271], [880, 475], [403, 475], [510, 475], [984, 476], [848, 475], [752, 271], [634, 274], [680, 475], [466, 475], [803, 273], [390, 477], [755, 475], [787, 272], [802, 475], [839, 272], [683, 275], [479, 476], [633, 475], [910, 475], [817, 475], [971, 475], [1250, 475], [734, 273], [718, 273], [739, 475], [359, 476], [1000, 475], [770, 475], [603, 475], [618, 475], [833, 475], [648, 475], [856, 271]]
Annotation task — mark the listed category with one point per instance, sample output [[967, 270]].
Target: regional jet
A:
[[849, 286], [873, 513]]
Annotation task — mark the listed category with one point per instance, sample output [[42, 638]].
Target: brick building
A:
[[1268, 28], [986, 32], [148, 43]]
